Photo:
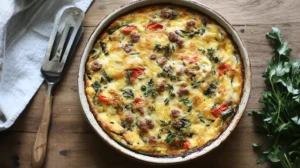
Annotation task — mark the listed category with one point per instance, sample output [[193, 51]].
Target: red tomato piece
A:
[[154, 26], [223, 68], [218, 110], [135, 73], [191, 60], [103, 99], [138, 100], [186, 144], [209, 21], [129, 29]]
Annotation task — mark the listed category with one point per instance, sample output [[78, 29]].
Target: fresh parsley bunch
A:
[[280, 117]]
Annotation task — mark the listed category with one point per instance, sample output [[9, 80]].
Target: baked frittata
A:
[[164, 80]]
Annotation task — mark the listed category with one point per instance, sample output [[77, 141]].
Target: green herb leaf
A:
[[284, 50], [168, 49], [201, 50], [169, 86], [190, 34], [96, 85], [89, 75], [226, 114], [255, 145], [150, 90], [210, 90], [196, 84], [172, 136], [188, 103], [164, 123], [128, 94], [167, 101], [128, 76], [261, 159], [210, 51], [105, 75]]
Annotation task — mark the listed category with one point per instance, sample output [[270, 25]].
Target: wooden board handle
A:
[[40, 145]]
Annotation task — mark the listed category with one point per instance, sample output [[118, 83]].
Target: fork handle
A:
[[40, 145]]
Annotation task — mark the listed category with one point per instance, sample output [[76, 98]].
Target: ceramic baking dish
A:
[[184, 3]]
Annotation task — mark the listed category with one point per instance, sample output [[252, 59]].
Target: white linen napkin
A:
[[25, 28]]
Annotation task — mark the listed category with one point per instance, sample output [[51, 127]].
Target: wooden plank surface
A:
[[72, 142]]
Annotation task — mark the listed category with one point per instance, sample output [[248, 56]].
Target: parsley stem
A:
[[288, 162]]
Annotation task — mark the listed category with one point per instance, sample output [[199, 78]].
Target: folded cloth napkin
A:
[[25, 28]]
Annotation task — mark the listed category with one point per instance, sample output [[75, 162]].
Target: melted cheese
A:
[[209, 87]]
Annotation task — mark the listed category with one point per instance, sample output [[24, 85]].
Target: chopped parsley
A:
[[96, 53], [128, 76], [143, 88], [181, 124], [168, 49], [167, 73], [152, 109], [201, 118], [96, 85], [191, 34], [210, 53], [88, 74], [226, 114], [187, 103], [150, 90], [105, 75], [128, 94], [202, 50], [173, 136], [210, 90], [196, 84], [167, 101], [169, 86], [164, 123]]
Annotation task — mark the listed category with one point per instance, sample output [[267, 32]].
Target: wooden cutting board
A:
[[73, 143]]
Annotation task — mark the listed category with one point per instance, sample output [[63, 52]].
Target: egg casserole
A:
[[164, 80]]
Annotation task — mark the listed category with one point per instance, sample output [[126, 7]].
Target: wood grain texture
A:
[[72, 142]]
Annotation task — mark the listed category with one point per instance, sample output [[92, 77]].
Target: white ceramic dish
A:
[[185, 3]]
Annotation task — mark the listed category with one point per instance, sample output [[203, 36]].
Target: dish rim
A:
[[199, 7]]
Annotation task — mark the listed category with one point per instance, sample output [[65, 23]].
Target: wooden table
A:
[[72, 141]]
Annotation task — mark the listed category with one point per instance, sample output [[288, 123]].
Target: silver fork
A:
[[63, 40]]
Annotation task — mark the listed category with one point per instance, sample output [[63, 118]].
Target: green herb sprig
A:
[[280, 116]]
